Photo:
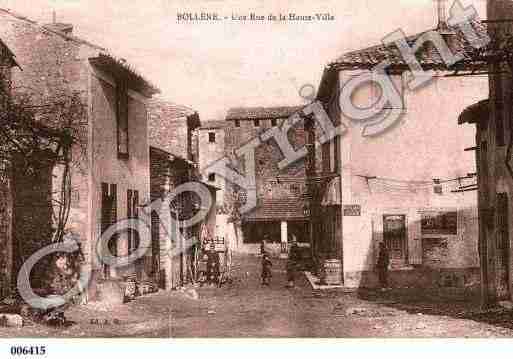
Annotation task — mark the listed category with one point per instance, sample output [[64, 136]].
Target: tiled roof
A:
[[171, 156], [103, 58], [213, 124], [170, 110], [51, 30], [372, 56], [277, 210], [122, 68], [427, 56], [261, 113]]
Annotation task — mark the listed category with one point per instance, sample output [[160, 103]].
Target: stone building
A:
[[7, 63], [279, 213], [172, 128], [174, 156], [110, 163], [173, 266], [211, 147], [412, 186], [492, 120]]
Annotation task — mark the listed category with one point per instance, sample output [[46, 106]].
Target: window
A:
[[132, 197], [273, 122], [237, 123], [256, 123], [295, 189], [439, 223], [122, 118], [211, 137], [212, 177]]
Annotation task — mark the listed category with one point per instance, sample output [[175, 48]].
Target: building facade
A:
[[110, 161], [176, 247], [412, 186], [280, 211], [211, 148]]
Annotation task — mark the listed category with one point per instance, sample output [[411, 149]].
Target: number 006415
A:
[[28, 350]]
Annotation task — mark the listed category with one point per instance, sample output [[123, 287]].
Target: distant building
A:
[[279, 213], [211, 147], [384, 190]]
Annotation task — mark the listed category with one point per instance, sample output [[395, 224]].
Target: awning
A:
[[332, 195], [477, 112], [277, 209]]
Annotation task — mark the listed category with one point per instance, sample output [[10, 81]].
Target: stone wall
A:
[[271, 181], [54, 67], [5, 238], [57, 65], [170, 129], [169, 266]]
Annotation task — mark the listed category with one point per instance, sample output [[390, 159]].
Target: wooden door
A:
[[108, 218], [394, 236]]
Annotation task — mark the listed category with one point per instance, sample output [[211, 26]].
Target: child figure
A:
[[266, 269]]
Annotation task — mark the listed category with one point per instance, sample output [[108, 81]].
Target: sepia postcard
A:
[[255, 169]]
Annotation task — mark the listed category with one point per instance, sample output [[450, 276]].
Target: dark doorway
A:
[[394, 236]]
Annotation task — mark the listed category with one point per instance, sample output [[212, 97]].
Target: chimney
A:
[[443, 28], [65, 28], [441, 15]]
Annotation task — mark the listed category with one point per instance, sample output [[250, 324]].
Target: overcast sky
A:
[[214, 66]]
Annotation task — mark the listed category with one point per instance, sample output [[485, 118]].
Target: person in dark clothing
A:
[[292, 264], [266, 269], [382, 265], [212, 267], [262, 246]]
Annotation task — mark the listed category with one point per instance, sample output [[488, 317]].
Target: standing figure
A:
[[263, 243], [292, 263], [382, 265], [212, 267], [266, 269]]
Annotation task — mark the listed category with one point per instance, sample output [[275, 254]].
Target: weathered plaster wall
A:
[[427, 143], [132, 173]]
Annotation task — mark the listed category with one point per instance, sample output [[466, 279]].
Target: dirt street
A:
[[245, 308]]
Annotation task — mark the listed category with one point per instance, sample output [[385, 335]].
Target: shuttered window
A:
[[132, 212], [122, 118], [109, 217]]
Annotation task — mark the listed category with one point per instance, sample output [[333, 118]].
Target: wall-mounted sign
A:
[[439, 222], [352, 210]]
